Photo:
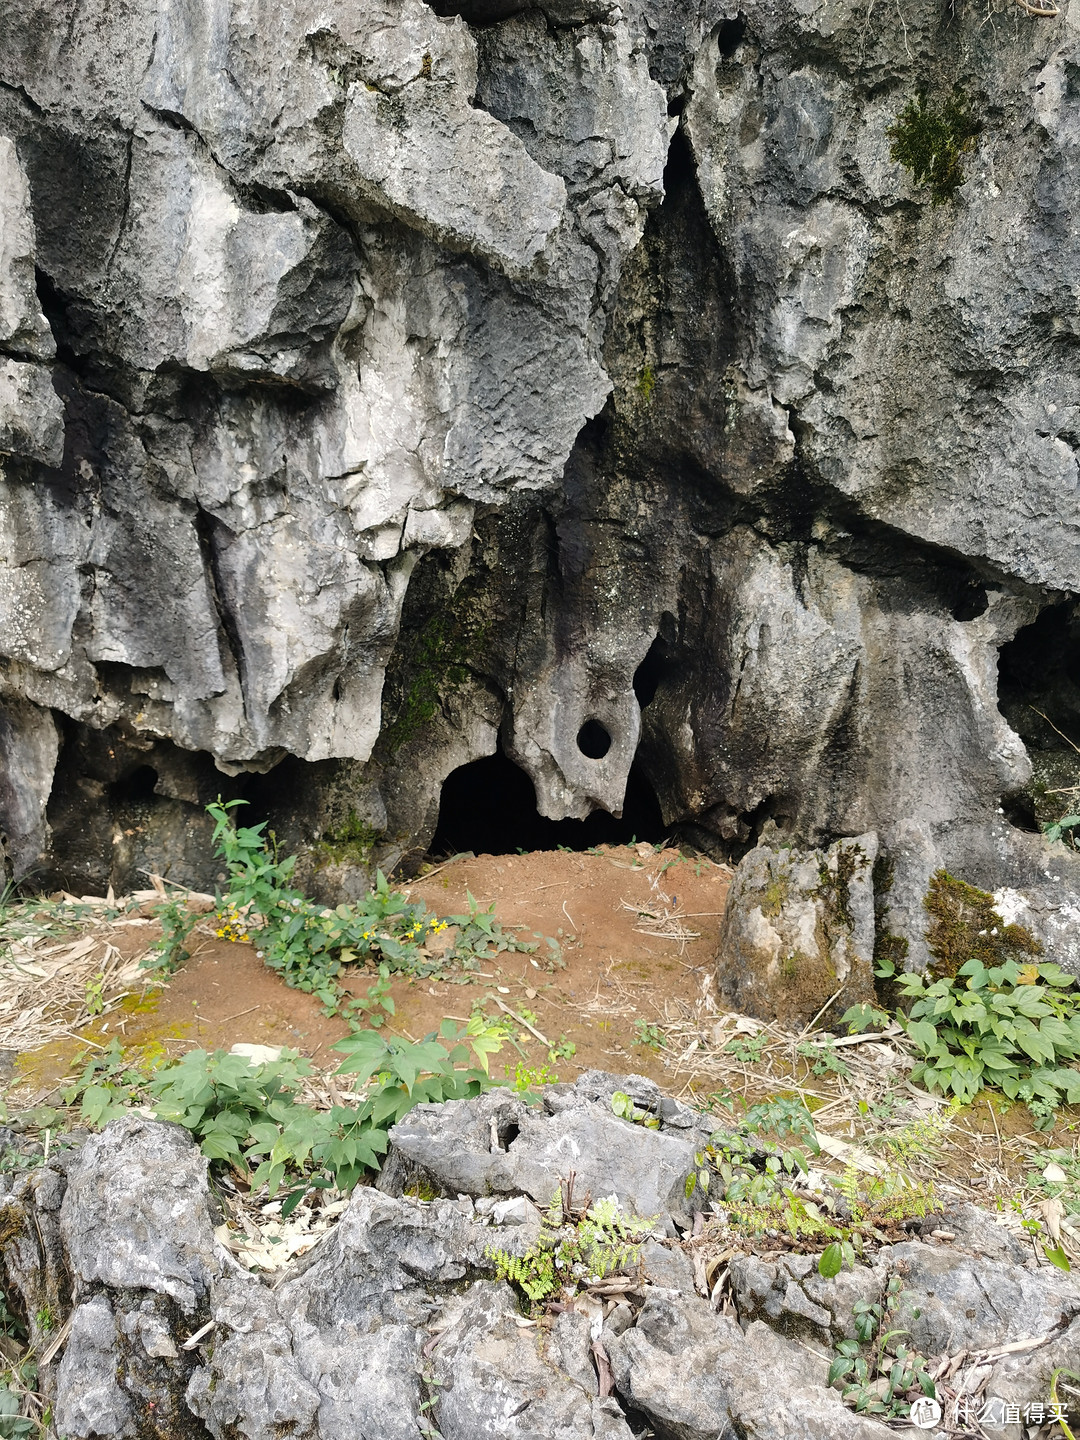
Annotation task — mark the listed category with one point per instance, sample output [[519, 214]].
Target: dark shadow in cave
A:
[[137, 787], [1039, 695], [489, 807]]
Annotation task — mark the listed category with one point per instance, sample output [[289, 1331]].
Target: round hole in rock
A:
[[593, 740], [489, 807]]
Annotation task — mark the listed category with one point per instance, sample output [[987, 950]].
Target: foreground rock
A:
[[394, 1322]]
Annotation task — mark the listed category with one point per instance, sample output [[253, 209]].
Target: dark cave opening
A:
[[137, 787], [1039, 695], [489, 807], [659, 663]]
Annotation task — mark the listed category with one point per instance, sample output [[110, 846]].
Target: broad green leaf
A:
[[922, 1033], [832, 1257], [1056, 1255]]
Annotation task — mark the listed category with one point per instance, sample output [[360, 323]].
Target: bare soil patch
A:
[[637, 928]]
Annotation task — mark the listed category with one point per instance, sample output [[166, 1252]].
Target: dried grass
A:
[[60, 968], [47, 991]]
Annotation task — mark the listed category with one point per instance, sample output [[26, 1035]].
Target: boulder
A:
[[490, 1379], [798, 931], [498, 1145], [394, 1322], [697, 1376]]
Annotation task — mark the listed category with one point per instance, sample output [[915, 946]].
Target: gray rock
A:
[[571, 1350], [29, 745], [980, 1233], [697, 1376], [512, 1212], [798, 927], [390, 1320], [1024, 1380], [491, 1381], [603, 310], [451, 1145], [136, 1214], [952, 1301], [31, 414], [667, 1267], [89, 1400], [251, 1383], [794, 1299], [23, 328]]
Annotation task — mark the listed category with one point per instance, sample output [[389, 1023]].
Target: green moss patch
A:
[[929, 141], [965, 926]]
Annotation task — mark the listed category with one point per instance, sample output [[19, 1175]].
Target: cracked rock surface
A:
[[394, 1321], [384, 385]]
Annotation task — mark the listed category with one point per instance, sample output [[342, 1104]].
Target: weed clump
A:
[[574, 1248], [929, 141]]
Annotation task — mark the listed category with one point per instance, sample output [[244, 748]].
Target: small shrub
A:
[[1010, 1026], [872, 1380], [646, 1034], [170, 951], [746, 1050], [823, 1057], [309, 944], [253, 1117]]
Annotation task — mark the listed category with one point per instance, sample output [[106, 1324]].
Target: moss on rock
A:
[[964, 925]]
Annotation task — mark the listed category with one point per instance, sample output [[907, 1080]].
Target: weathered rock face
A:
[[798, 931], [382, 383], [393, 1325]]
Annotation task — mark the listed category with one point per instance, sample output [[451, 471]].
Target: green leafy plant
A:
[[94, 998], [919, 1138], [574, 1250], [564, 1050], [876, 1373], [306, 943], [309, 944], [480, 937], [1063, 829], [376, 1003], [861, 1018], [834, 1257], [1010, 1026], [646, 1034], [110, 1082], [624, 1107], [929, 141], [752, 1168], [252, 1116], [747, 1050], [823, 1057], [170, 951], [528, 1078]]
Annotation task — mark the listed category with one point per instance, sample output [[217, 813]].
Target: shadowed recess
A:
[[489, 807]]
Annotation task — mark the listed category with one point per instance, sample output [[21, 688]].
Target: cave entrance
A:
[[1039, 695], [489, 807]]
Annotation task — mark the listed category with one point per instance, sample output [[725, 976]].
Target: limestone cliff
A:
[[381, 383]]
